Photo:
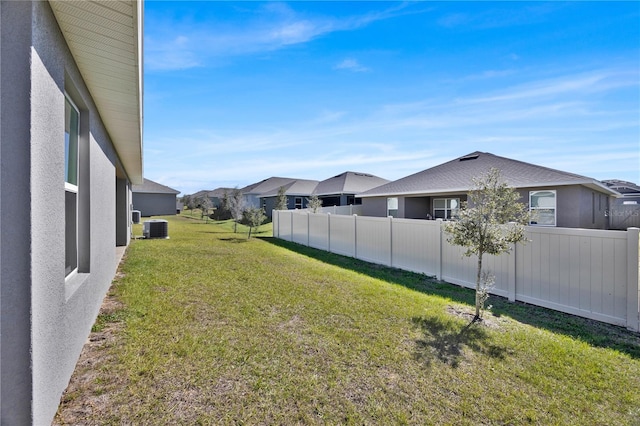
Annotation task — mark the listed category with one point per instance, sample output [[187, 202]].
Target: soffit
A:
[[105, 39]]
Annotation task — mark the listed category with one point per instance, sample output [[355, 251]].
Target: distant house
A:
[[71, 136], [297, 192], [217, 195], [341, 190], [559, 198], [154, 199], [252, 193], [625, 211]]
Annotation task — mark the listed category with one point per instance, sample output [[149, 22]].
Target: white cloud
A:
[[271, 27], [351, 64]]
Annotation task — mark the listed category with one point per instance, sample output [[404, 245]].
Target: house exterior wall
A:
[[15, 221], [269, 203], [154, 204], [576, 206], [376, 207], [46, 318]]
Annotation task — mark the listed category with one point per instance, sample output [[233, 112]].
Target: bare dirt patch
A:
[[89, 395]]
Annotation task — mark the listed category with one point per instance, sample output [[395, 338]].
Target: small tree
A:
[[236, 207], [204, 204], [188, 202], [490, 222], [281, 200], [253, 217], [314, 203]]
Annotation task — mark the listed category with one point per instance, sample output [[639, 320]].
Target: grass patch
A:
[[220, 329]]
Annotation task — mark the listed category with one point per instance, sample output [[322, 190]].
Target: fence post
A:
[[512, 272], [391, 241], [633, 296], [275, 223], [440, 249], [291, 237], [513, 256], [329, 232]]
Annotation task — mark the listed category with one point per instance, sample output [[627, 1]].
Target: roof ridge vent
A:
[[469, 157]]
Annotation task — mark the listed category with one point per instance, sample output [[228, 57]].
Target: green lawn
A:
[[218, 329]]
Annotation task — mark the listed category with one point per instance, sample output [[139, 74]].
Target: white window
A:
[[298, 203], [392, 207], [71, 137], [445, 208], [542, 205]]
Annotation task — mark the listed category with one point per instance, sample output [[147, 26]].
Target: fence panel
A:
[[342, 210], [576, 271], [284, 225], [300, 228], [342, 235], [373, 239], [416, 246], [319, 231]]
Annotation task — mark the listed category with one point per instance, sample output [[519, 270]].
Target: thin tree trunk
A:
[[478, 277]]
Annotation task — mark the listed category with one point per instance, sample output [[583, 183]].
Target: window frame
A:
[[71, 266], [449, 212], [297, 203], [533, 209], [393, 212]]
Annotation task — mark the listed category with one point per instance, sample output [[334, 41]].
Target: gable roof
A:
[[349, 183], [219, 192], [105, 39], [457, 176], [150, 187], [297, 187], [266, 185]]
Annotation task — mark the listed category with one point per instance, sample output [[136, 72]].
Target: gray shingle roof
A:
[[457, 176], [297, 187], [266, 185], [150, 187], [219, 192], [349, 183]]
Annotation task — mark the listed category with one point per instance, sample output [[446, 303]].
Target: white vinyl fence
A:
[[590, 273]]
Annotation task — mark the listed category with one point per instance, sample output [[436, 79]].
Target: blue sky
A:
[[236, 92]]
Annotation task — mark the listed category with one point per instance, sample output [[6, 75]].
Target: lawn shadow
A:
[[447, 341], [593, 332]]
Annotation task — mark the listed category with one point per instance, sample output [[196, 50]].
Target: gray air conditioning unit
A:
[[135, 216], [155, 228]]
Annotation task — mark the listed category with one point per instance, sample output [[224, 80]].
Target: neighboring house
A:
[[154, 199], [217, 195], [251, 193], [630, 191], [71, 138], [625, 211], [341, 190], [298, 192], [559, 198]]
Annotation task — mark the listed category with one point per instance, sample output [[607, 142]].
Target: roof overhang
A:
[[105, 39]]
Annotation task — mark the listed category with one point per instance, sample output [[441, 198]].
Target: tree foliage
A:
[[236, 207], [314, 203], [490, 222], [281, 200], [253, 217], [204, 204]]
